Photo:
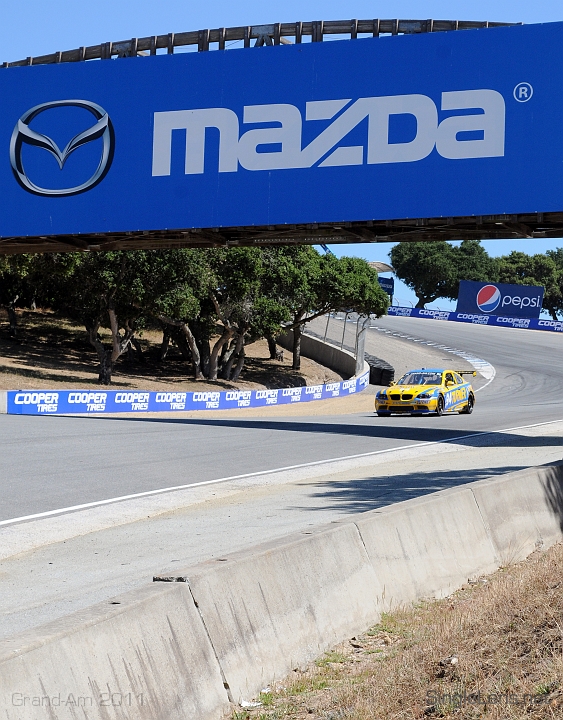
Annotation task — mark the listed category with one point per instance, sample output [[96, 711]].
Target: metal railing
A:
[[258, 35]]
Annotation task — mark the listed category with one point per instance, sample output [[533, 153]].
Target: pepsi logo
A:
[[488, 298]]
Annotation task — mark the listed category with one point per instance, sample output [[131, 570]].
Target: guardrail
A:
[[495, 320], [100, 402]]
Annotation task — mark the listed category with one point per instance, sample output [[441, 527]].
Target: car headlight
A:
[[424, 396], [381, 394]]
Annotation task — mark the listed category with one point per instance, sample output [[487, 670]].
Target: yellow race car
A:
[[428, 390]]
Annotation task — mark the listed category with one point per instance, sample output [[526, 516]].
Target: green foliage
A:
[[246, 289], [331, 657], [434, 269], [15, 285], [546, 270], [250, 292], [473, 263], [310, 284], [266, 698], [428, 268], [351, 284]]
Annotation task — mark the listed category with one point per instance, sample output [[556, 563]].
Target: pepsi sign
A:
[[387, 284], [514, 301], [488, 298], [443, 124]]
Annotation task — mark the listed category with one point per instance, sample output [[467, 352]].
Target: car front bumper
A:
[[399, 407]]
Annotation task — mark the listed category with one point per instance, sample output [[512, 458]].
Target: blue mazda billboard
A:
[[519, 301], [440, 124]]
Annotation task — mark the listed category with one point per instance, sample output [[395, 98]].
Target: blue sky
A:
[[38, 27]]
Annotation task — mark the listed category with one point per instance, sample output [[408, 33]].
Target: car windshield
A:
[[421, 378]]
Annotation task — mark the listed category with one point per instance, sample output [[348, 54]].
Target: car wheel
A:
[[468, 409], [440, 405]]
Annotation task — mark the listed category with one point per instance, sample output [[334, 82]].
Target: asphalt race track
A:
[[66, 562], [47, 463]]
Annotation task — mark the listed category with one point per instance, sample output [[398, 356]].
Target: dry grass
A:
[[492, 650]]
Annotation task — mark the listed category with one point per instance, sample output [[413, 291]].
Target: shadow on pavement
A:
[[419, 432], [370, 493]]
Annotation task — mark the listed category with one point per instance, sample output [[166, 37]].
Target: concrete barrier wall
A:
[[331, 356], [235, 624], [147, 657], [427, 547], [283, 604], [522, 511]]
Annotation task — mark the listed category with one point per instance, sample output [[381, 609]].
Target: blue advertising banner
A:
[[387, 284], [522, 301], [479, 319], [428, 125], [99, 402]]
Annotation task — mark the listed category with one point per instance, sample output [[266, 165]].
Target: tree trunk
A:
[[198, 375], [106, 368], [421, 303], [119, 344], [226, 352], [13, 318], [214, 359], [240, 363], [165, 346], [237, 353], [201, 345], [135, 352], [297, 331], [224, 363], [553, 314], [106, 364], [187, 344], [181, 343], [272, 347]]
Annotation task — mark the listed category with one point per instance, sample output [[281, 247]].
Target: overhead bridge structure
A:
[[394, 165], [254, 35]]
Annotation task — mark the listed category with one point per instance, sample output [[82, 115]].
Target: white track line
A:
[[483, 367], [148, 493]]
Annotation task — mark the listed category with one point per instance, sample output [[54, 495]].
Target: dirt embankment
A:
[[52, 353], [493, 650]]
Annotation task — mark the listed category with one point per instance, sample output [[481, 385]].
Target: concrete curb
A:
[[228, 627]]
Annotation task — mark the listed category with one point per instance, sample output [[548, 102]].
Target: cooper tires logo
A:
[[24, 134]]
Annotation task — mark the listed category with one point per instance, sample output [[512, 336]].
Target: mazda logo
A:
[[24, 134]]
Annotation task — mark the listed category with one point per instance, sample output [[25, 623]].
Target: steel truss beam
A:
[[530, 226]]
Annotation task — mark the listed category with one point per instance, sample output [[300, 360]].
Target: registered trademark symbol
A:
[[523, 92]]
